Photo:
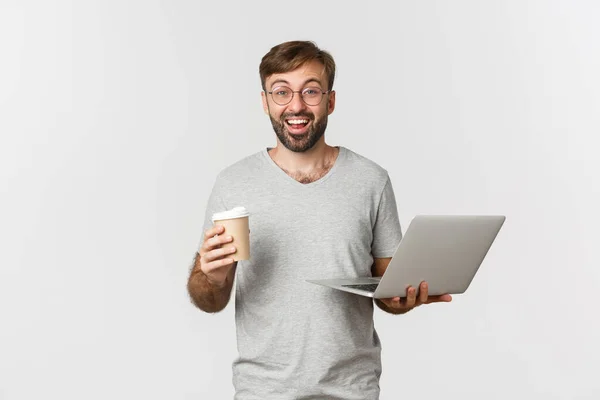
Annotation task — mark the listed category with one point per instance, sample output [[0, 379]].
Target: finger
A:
[[217, 242], [217, 254], [213, 266], [209, 234], [411, 297], [215, 230], [437, 299], [423, 292]]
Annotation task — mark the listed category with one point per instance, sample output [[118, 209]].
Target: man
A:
[[316, 211]]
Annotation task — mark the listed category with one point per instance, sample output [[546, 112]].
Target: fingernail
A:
[[232, 249], [229, 238]]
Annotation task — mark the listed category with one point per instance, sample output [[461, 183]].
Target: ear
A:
[[331, 102], [265, 104]]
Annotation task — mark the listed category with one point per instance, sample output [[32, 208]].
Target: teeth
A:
[[297, 121]]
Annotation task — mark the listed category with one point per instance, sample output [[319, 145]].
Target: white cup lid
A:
[[237, 212]]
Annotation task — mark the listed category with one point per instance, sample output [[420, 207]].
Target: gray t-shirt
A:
[[297, 340]]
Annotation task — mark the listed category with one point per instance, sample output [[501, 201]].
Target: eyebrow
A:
[[287, 83]]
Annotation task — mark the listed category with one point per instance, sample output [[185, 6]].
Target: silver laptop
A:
[[444, 250]]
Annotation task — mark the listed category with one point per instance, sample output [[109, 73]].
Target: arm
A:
[[207, 296], [213, 273], [379, 267]]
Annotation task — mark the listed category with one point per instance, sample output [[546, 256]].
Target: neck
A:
[[319, 156], [308, 166]]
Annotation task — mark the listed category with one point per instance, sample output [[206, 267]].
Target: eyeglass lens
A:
[[283, 95]]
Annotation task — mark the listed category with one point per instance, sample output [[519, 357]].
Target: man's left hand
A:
[[414, 299]]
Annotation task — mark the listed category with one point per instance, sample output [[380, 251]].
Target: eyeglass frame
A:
[[323, 93]]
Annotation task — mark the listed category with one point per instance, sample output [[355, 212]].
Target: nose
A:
[[296, 105]]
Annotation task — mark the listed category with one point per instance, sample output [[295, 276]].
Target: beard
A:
[[299, 144]]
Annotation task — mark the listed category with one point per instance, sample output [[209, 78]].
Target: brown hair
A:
[[288, 56]]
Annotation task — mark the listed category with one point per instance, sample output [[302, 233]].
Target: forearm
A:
[[389, 310], [205, 295]]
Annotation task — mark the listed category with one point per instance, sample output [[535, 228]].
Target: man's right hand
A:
[[214, 261]]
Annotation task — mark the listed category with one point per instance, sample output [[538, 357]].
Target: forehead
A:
[[313, 70]]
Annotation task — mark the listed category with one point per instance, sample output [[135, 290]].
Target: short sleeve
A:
[[387, 232]]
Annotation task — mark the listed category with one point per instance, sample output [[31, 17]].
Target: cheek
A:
[[320, 112], [275, 114]]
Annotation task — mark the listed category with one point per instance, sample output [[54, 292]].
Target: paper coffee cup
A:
[[235, 222]]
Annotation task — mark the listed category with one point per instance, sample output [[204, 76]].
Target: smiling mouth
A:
[[297, 123]]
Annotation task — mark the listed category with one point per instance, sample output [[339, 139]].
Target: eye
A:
[[312, 93], [282, 91]]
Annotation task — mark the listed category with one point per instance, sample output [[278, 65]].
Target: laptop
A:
[[446, 251]]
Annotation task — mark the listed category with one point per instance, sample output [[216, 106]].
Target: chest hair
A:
[[312, 176]]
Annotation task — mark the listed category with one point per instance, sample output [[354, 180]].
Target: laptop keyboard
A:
[[367, 287]]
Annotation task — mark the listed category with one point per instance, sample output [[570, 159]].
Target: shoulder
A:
[[365, 167], [243, 168]]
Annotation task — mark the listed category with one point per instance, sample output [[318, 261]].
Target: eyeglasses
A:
[[283, 95]]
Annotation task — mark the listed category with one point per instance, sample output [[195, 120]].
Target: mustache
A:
[[309, 116]]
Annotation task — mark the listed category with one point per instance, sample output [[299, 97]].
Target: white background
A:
[[116, 116]]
